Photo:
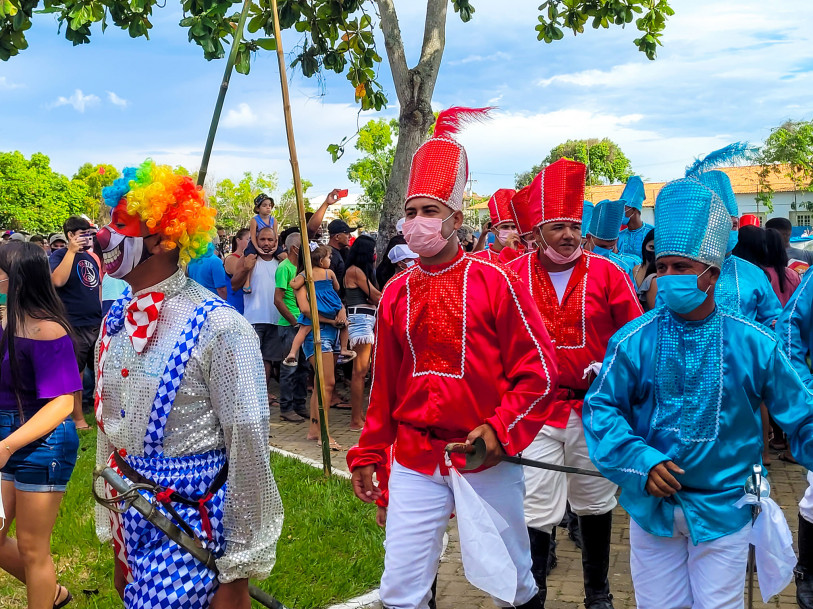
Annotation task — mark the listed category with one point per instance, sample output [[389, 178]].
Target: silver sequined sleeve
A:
[[103, 451], [253, 510]]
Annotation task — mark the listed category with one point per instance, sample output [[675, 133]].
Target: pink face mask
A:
[[557, 258], [423, 235]]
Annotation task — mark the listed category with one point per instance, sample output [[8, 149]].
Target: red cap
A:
[[499, 206], [440, 168], [558, 192], [749, 220], [525, 216]]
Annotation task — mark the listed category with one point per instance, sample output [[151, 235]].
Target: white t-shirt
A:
[[559, 281], [258, 307]]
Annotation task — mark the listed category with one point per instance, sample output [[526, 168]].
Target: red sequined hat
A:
[[558, 192], [439, 168], [525, 216], [499, 206]]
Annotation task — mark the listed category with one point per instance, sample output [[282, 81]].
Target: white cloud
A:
[[78, 100], [498, 56], [7, 85], [116, 100], [243, 116]]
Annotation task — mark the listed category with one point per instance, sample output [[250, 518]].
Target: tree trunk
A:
[[414, 88]]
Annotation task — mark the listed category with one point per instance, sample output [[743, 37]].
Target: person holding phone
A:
[[75, 275]]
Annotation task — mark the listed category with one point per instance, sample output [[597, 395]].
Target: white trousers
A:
[[547, 492], [673, 573], [806, 504], [417, 517]]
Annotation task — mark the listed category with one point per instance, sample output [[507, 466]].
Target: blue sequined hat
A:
[[692, 222], [606, 221], [634, 195], [587, 213], [719, 182]]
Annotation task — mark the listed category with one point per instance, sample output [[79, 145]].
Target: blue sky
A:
[[728, 70]]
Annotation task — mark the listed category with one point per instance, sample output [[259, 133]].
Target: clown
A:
[[180, 386]]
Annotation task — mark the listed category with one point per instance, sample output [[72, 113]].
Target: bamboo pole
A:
[[304, 251], [221, 96]]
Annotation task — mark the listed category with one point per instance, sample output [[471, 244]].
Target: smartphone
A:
[[86, 239], [342, 194]]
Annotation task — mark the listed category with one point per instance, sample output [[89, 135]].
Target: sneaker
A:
[[291, 417]]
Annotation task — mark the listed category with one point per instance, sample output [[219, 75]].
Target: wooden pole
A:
[[304, 250], [221, 96]]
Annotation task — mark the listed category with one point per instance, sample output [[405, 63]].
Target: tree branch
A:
[[395, 48], [434, 41]]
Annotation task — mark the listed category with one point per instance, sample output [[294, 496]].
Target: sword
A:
[[476, 456], [129, 496], [756, 484]]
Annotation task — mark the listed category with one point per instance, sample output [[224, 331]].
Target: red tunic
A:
[[504, 256], [598, 301], [457, 345]]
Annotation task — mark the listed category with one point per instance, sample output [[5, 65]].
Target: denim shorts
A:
[[330, 341], [46, 464]]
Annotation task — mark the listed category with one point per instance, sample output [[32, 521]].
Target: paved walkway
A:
[[565, 582]]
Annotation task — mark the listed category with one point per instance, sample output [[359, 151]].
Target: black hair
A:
[[751, 245], [75, 223], [647, 256], [31, 293], [386, 269], [783, 225], [362, 255], [238, 235], [36, 239], [776, 256]]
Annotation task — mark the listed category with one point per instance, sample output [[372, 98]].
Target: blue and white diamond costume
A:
[[192, 401], [690, 392]]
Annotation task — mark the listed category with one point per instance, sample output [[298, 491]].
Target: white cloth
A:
[[773, 542], [258, 307], [672, 573], [418, 514], [806, 504], [559, 281], [547, 492]]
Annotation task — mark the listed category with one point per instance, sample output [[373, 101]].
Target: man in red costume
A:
[[584, 299], [506, 245], [461, 353]]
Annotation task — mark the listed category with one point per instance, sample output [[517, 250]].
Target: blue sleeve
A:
[[768, 305], [793, 329], [790, 403], [617, 451], [219, 278]]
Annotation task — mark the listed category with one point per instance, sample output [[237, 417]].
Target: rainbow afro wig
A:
[[170, 204]]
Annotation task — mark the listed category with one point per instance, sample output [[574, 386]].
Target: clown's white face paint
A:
[[122, 254]]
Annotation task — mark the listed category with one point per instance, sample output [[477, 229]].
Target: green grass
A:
[[330, 549]]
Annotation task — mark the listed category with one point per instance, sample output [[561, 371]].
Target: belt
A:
[[571, 394], [165, 496], [361, 310]]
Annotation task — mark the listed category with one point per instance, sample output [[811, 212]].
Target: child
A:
[[263, 206], [328, 301]]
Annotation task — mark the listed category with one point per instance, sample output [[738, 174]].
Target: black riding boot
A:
[[540, 547], [552, 559], [804, 568], [595, 533], [535, 603]]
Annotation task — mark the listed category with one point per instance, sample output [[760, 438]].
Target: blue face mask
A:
[[601, 251], [625, 221], [733, 237], [680, 292]]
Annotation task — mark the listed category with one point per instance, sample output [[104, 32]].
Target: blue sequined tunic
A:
[[690, 392], [631, 241]]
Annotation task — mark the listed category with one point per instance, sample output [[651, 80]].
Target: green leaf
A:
[[269, 44]]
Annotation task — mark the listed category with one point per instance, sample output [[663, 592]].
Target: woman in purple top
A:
[[38, 441]]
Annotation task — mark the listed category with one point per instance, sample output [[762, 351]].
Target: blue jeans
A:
[[47, 463], [293, 380]]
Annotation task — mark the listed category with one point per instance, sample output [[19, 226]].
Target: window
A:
[[801, 218]]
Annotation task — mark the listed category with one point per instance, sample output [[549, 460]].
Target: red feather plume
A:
[[451, 120]]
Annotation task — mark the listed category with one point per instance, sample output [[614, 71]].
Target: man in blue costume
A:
[[673, 417], [602, 235], [794, 329], [631, 240], [587, 214], [743, 286]]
